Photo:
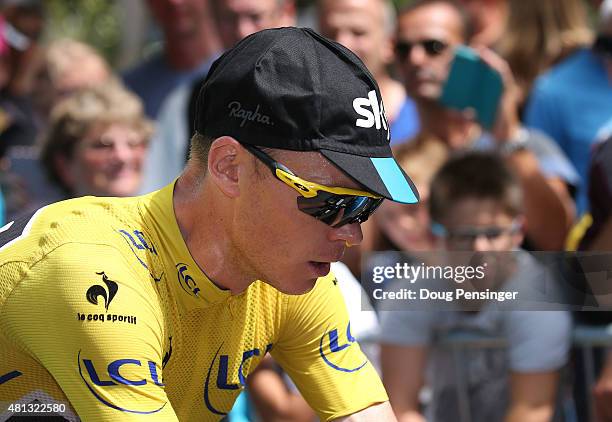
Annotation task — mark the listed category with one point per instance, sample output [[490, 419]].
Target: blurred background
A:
[[499, 110]]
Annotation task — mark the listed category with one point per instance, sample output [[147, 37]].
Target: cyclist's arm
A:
[[317, 350], [377, 412]]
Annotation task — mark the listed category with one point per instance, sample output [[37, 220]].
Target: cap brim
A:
[[382, 176]]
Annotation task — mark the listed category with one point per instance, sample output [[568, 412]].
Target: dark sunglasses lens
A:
[[493, 232], [325, 206], [434, 47], [338, 210], [469, 235], [358, 210], [431, 47]]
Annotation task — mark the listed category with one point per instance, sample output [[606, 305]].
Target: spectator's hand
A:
[[603, 394], [507, 123]]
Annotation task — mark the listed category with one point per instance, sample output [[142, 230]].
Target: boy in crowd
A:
[[476, 207]]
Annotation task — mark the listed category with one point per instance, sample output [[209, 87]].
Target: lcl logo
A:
[[186, 282], [335, 349], [98, 379], [113, 372]]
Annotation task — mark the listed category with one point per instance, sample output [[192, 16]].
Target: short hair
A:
[[74, 116], [199, 149], [389, 14], [215, 3], [466, 20], [474, 175], [66, 54]]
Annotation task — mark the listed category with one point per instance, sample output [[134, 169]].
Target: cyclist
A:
[[158, 307]]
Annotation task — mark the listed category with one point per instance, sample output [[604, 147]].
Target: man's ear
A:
[[224, 161]]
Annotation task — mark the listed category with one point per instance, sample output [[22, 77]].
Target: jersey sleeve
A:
[[94, 323], [317, 350]]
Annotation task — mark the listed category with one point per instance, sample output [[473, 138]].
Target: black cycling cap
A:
[[291, 88]]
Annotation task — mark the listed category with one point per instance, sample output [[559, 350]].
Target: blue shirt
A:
[[153, 79], [406, 125], [570, 103]]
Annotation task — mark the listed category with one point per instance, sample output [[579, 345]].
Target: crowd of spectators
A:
[[538, 179]]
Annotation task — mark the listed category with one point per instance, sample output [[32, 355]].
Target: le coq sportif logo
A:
[[107, 293], [103, 293]]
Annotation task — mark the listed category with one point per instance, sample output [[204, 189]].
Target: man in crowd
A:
[[366, 27], [190, 46], [428, 32], [234, 19]]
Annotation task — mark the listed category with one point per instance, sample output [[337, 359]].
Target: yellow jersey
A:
[[105, 316]]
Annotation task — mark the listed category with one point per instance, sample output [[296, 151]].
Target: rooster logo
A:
[[107, 293]]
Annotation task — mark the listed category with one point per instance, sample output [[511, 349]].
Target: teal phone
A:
[[473, 84]]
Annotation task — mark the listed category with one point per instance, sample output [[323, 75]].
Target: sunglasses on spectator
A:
[[432, 47], [464, 237], [333, 206]]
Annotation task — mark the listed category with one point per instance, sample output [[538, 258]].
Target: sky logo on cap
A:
[[375, 116]]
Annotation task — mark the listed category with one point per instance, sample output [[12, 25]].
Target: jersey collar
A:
[[190, 284]]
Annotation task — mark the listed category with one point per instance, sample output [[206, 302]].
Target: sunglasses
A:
[[333, 206], [464, 237], [432, 48]]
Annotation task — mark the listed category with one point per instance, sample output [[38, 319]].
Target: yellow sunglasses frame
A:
[[311, 189], [304, 187]]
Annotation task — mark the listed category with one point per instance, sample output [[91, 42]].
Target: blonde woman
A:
[[96, 142], [541, 33]]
